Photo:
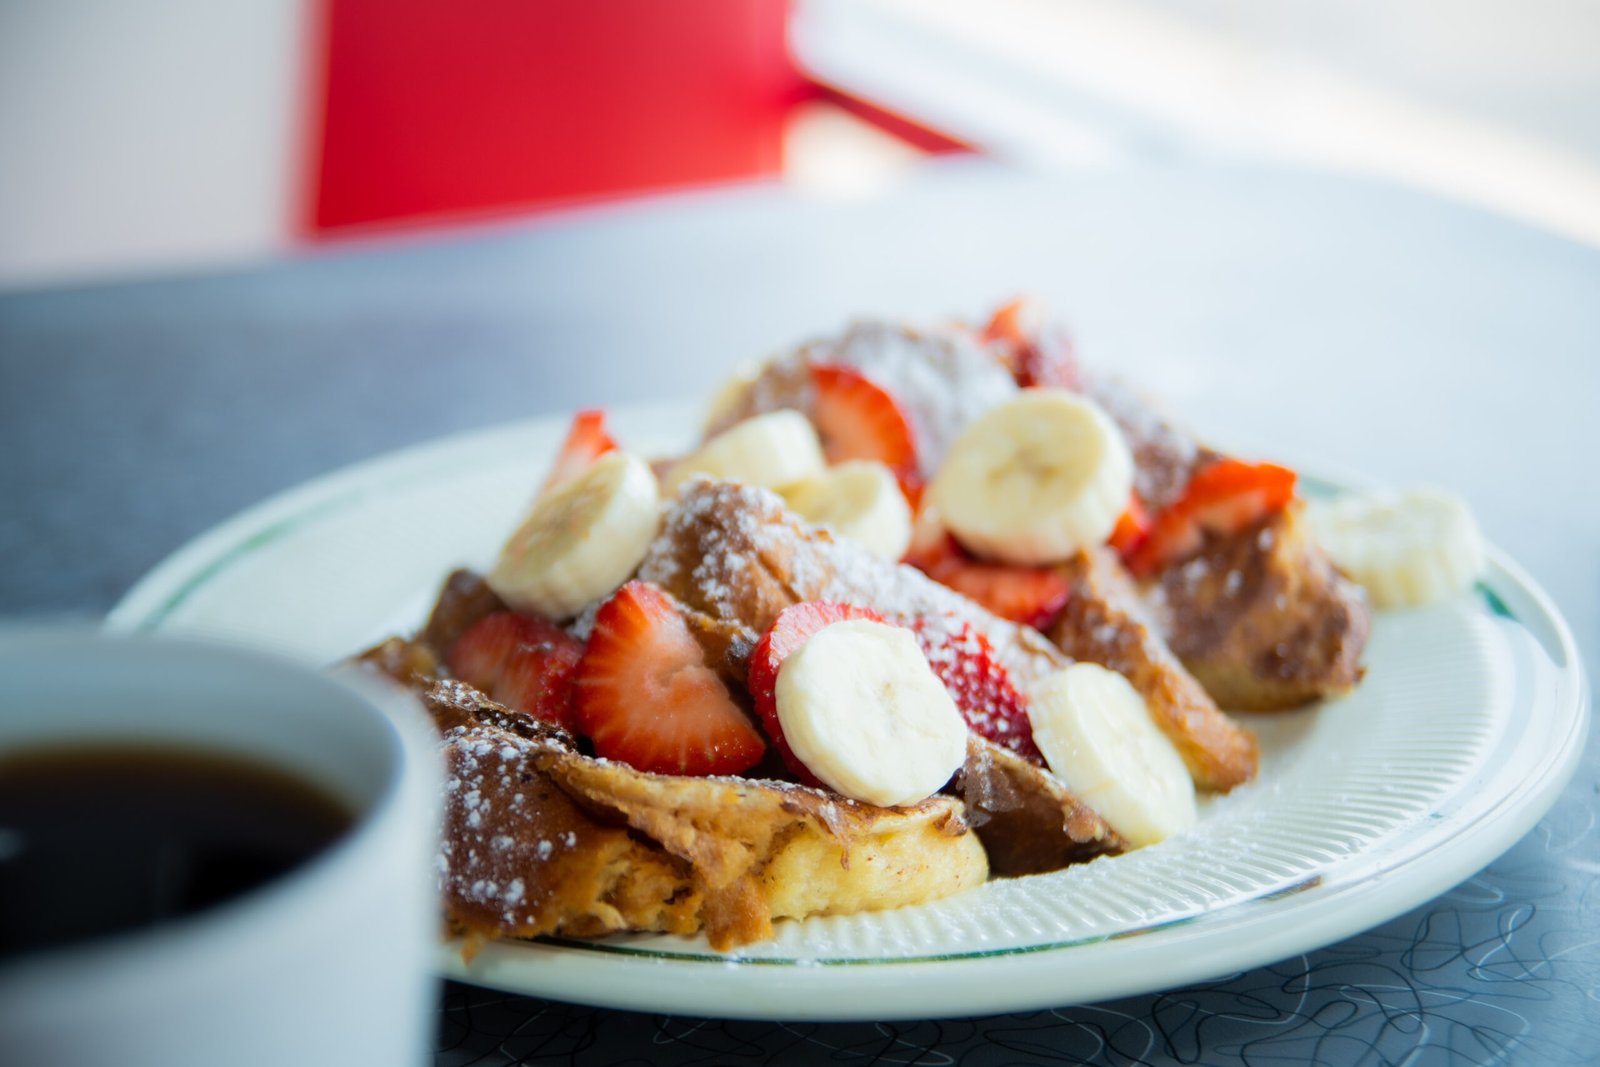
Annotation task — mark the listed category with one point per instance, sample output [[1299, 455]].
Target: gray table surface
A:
[[1344, 325]]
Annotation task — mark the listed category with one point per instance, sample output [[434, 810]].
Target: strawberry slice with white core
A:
[[587, 440], [1223, 498], [793, 627], [857, 419], [646, 697], [522, 662], [964, 660], [860, 707]]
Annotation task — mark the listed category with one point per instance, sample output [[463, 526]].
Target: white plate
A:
[[1471, 719]]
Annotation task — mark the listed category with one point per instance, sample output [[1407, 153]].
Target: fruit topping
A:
[[859, 706], [587, 440], [522, 662], [1033, 596], [1222, 498], [1097, 736], [646, 697], [1132, 527], [791, 629], [858, 499], [773, 451], [1405, 549], [1036, 353], [857, 419], [1035, 479], [964, 660], [580, 540]]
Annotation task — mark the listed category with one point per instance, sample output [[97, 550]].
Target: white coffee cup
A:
[[329, 963]]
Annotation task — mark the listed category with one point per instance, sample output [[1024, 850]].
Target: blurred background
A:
[[175, 135]]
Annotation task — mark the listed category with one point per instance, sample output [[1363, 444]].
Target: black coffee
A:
[[95, 842]]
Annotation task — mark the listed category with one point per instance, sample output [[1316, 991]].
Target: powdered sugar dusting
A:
[[1165, 455], [490, 851]]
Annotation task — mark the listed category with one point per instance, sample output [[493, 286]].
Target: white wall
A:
[[146, 136]]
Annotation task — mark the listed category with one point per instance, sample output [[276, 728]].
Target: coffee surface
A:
[[98, 841]]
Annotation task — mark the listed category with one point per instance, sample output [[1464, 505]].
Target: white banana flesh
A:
[[862, 709], [858, 499], [1406, 549], [581, 540], [730, 395], [1097, 736], [1035, 479], [773, 451]]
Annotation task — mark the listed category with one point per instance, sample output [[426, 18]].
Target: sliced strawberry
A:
[[965, 661], [856, 419], [1133, 526], [522, 662], [1222, 498], [1033, 596], [587, 440], [646, 697], [791, 629], [1037, 353]]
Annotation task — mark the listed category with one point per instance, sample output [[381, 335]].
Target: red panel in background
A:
[[432, 109]]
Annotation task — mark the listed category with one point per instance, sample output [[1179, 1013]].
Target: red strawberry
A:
[[1222, 498], [791, 629], [587, 440], [965, 662], [856, 419], [646, 697], [1033, 596], [1133, 526], [1037, 353], [520, 661]]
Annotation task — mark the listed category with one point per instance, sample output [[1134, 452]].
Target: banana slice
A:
[[1097, 736], [862, 709], [1406, 549], [1035, 479], [859, 499], [581, 540], [774, 451], [730, 395]]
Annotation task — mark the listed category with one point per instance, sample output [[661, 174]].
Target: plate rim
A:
[[943, 983]]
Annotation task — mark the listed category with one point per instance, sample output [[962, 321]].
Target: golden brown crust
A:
[[1263, 619], [540, 839], [1104, 622]]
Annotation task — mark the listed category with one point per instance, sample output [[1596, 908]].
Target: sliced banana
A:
[[774, 451], [1405, 548], [730, 395], [859, 499], [862, 709], [581, 540], [1035, 479], [1097, 736]]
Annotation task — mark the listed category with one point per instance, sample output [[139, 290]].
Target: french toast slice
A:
[[1261, 617], [1105, 622], [539, 839]]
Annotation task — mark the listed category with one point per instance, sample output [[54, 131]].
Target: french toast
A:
[[1296, 638], [567, 681]]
